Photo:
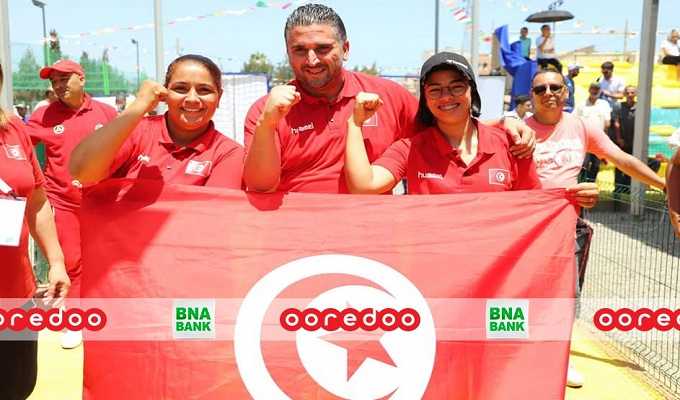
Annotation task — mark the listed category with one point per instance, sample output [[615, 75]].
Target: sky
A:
[[393, 34]]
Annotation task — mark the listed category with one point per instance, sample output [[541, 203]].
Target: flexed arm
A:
[[362, 177], [262, 166], [92, 158]]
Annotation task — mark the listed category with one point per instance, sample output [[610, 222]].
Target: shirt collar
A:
[[87, 105], [350, 88], [484, 142], [199, 145]]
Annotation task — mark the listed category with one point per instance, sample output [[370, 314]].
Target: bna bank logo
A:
[[386, 362]]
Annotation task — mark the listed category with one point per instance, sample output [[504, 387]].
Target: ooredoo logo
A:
[[350, 319], [36, 319], [373, 339], [643, 319]]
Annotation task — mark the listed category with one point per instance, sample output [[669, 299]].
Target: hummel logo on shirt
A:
[[429, 175], [302, 128]]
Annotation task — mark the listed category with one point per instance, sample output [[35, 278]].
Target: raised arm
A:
[[673, 191], [262, 166], [362, 177], [636, 169], [92, 158]]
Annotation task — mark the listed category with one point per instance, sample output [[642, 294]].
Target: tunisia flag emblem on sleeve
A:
[[224, 294]]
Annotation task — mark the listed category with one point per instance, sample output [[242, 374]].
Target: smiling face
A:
[[449, 108], [316, 54], [192, 99], [68, 87], [550, 100]]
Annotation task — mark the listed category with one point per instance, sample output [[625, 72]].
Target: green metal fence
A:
[[635, 263]]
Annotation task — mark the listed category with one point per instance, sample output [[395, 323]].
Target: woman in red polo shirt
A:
[[456, 154], [23, 207], [180, 146]]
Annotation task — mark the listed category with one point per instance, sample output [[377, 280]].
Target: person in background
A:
[[599, 113], [563, 141], [526, 43], [22, 110], [572, 72], [295, 135], [545, 49], [120, 103], [612, 85], [60, 126], [454, 154], [671, 51], [522, 109], [22, 183], [50, 98], [181, 146]]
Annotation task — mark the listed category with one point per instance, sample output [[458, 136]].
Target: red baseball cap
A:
[[64, 66]]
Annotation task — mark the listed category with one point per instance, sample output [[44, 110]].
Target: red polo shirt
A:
[[19, 168], [433, 166], [311, 139], [61, 129], [212, 159]]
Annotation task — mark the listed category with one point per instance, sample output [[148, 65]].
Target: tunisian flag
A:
[[461, 296]]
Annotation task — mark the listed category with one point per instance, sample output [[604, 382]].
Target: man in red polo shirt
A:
[[295, 136], [61, 126]]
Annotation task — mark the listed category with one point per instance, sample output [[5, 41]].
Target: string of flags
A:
[[258, 5], [460, 15]]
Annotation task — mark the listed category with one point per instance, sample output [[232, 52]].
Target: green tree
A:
[[372, 70], [282, 73], [258, 63], [55, 47], [28, 87]]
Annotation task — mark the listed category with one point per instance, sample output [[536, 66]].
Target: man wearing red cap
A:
[[60, 126]]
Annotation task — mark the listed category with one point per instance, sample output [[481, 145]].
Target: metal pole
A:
[[7, 93], [136, 43], [436, 26], [650, 14], [158, 28], [46, 49], [474, 38]]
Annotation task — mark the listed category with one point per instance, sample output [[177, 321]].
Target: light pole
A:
[[45, 50], [136, 43]]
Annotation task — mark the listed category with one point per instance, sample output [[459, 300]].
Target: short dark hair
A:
[[543, 71], [315, 14], [520, 98], [607, 65], [212, 68]]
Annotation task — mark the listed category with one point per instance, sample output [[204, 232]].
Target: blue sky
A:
[[393, 34]]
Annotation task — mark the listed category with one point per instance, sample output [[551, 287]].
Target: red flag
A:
[[312, 296]]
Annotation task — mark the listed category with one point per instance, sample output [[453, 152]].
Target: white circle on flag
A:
[[412, 352], [500, 176]]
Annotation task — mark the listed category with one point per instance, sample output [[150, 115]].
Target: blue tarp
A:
[[517, 66]]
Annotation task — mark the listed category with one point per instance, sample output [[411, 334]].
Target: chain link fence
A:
[[635, 263]]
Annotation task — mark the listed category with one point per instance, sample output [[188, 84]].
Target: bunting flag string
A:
[[258, 5]]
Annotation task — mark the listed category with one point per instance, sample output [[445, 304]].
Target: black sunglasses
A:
[[554, 88]]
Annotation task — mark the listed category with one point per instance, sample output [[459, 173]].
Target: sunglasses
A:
[[554, 88]]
